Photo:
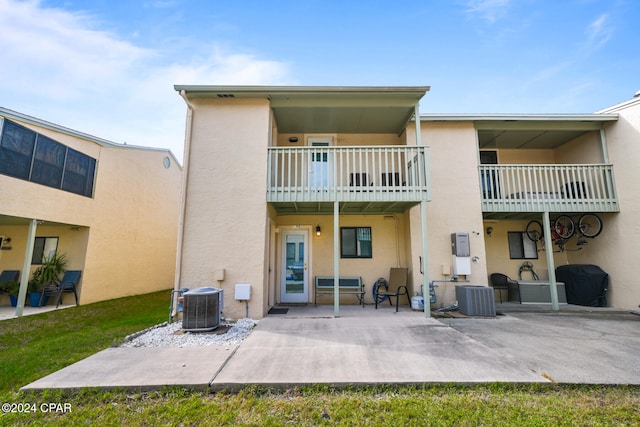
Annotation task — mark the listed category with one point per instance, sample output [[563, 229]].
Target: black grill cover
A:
[[585, 284]]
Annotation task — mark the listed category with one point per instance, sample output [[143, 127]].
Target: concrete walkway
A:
[[366, 346]]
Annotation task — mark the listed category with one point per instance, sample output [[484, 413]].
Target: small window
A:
[[355, 242], [521, 247], [43, 248]]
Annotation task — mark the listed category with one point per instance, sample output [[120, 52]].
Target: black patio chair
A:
[[501, 281]]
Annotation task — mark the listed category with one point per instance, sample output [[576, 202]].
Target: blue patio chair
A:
[[8, 276], [68, 283]]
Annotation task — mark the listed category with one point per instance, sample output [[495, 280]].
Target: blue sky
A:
[[107, 67]]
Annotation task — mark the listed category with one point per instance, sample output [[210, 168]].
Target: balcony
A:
[[551, 187], [371, 179]]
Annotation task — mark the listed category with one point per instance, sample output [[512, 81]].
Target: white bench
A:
[[346, 285]]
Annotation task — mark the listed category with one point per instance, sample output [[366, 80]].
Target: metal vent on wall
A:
[[201, 310]]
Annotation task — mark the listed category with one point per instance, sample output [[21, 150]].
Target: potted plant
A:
[[45, 275], [12, 288]]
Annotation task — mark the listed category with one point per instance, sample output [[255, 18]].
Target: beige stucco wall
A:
[[225, 217], [616, 249], [388, 247], [586, 149], [133, 235], [497, 248], [124, 238], [455, 205], [533, 156]]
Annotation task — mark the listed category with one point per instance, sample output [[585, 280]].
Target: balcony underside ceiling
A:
[[538, 133], [528, 216], [346, 208], [318, 109]]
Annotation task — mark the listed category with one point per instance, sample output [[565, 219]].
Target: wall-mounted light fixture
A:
[[293, 139], [6, 244], [489, 231], [318, 231]]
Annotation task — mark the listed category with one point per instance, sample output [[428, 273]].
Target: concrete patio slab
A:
[[365, 349], [600, 347], [308, 345], [144, 368]]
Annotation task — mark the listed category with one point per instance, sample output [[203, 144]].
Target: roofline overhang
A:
[[594, 117], [204, 91], [581, 122]]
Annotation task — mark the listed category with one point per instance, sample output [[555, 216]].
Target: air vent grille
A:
[[201, 310], [476, 301]]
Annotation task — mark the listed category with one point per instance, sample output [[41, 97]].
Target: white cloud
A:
[[490, 10], [59, 66], [599, 31]]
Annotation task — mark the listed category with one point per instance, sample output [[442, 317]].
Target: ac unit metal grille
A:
[[201, 310], [476, 301]]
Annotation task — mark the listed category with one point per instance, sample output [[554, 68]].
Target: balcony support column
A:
[[26, 266], [336, 258], [548, 243], [425, 260]]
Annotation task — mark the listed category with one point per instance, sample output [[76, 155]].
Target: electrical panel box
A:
[[460, 244], [243, 292], [461, 265]]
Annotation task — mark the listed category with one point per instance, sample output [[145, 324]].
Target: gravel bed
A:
[[228, 334]]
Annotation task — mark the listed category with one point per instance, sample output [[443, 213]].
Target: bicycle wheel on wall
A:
[[534, 230], [564, 226], [590, 225]]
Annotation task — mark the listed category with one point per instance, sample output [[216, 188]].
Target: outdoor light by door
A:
[[489, 231], [318, 231]]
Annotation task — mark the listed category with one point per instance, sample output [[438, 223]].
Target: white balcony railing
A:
[[549, 187], [324, 174]]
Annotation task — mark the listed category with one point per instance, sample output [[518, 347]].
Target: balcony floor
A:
[[346, 208]]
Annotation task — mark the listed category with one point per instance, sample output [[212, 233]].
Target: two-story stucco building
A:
[[283, 184], [112, 209]]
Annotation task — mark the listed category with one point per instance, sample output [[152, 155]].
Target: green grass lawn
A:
[[34, 346]]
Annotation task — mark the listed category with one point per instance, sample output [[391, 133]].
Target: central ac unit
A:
[[201, 310], [476, 300]]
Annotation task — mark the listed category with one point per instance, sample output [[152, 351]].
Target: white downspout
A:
[[423, 225], [183, 197]]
